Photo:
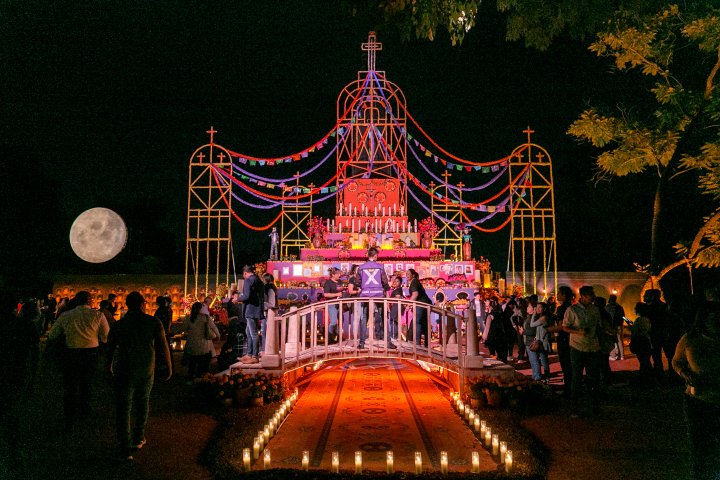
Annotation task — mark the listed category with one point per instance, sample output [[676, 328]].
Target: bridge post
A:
[[270, 358], [291, 345], [473, 359]]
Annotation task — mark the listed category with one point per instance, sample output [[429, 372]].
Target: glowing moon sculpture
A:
[[97, 235]]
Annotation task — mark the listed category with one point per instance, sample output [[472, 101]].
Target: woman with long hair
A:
[[417, 293], [201, 331], [541, 322]]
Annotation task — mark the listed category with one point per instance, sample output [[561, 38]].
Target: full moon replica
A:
[[97, 235]]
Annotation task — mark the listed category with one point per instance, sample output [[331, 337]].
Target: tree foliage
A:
[[680, 134]]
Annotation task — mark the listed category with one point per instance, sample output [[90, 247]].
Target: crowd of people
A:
[[586, 334]]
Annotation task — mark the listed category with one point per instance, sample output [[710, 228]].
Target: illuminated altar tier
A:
[[361, 254], [358, 240], [355, 223]]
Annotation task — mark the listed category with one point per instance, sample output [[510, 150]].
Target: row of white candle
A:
[[390, 462], [264, 435], [491, 441], [375, 225], [364, 210]]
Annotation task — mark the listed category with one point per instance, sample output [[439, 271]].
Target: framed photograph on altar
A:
[[326, 270], [307, 272], [400, 267], [447, 268], [285, 271], [345, 267], [434, 271], [459, 269], [298, 270], [408, 266], [389, 269], [316, 268], [468, 270]]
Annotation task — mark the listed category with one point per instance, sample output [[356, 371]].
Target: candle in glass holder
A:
[[471, 418], [503, 450], [418, 463], [306, 460], [266, 434], [475, 462], [483, 428], [390, 462], [477, 424], [488, 437], [271, 427], [256, 449], [461, 408], [508, 461], [468, 411], [495, 444], [246, 459], [443, 462], [335, 468], [358, 461], [261, 439], [266, 459]]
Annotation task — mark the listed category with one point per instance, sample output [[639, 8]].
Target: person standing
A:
[[84, 329], [201, 331], [137, 338], [373, 284], [417, 293], [697, 361], [659, 330], [617, 313], [274, 242], [396, 292], [19, 353], [253, 299], [582, 322], [565, 296], [333, 291]]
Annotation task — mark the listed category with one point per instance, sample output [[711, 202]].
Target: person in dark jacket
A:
[[136, 338]]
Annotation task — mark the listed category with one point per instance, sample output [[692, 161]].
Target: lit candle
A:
[[328, 224], [266, 434], [376, 210], [355, 212], [402, 211], [383, 211], [488, 437], [495, 444], [390, 467], [477, 424], [261, 439], [283, 410], [246, 459], [467, 413], [418, 463], [394, 208], [335, 462], [503, 451], [306, 460], [256, 449], [271, 427], [508, 461], [461, 408], [483, 428], [443, 462], [358, 461], [340, 208], [266, 459], [475, 462], [471, 418]]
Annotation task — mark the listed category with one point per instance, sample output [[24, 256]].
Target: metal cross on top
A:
[[371, 47]]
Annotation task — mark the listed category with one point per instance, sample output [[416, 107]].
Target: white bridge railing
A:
[[303, 335]]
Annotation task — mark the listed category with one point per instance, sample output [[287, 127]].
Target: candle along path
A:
[[336, 412]]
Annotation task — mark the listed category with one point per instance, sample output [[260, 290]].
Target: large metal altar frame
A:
[[374, 138], [208, 245], [293, 220], [447, 238], [532, 261]]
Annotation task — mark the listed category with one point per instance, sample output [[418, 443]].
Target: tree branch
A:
[[709, 82]]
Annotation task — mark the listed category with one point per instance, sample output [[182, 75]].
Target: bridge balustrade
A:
[[302, 336]]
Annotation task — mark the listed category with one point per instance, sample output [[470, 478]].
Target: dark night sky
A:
[[103, 102]]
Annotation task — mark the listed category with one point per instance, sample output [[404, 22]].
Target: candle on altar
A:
[[418, 463], [376, 210], [444, 462], [495, 444], [340, 208], [383, 210], [266, 459], [508, 461], [415, 225], [353, 226], [256, 449], [394, 208], [390, 462], [335, 462], [503, 450], [349, 209], [328, 224], [355, 211], [358, 461], [340, 228], [402, 211]]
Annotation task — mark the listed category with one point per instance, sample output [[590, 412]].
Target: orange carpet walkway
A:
[[375, 406]]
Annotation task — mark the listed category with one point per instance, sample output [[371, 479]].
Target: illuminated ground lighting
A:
[[392, 389]]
